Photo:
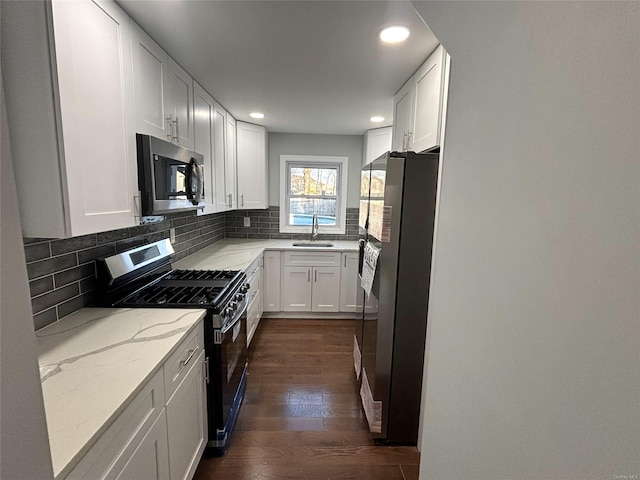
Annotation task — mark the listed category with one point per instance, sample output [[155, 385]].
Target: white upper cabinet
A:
[[73, 145], [376, 142], [224, 160], [203, 107], [163, 93], [149, 72], [230, 166], [418, 106], [252, 166], [219, 158], [402, 114], [179, 104], [427, 114]]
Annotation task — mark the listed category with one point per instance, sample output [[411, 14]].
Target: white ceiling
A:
[[310, 66]]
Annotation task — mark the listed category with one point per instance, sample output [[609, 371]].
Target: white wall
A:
[[311, 144], [24, 442], [532, 367]]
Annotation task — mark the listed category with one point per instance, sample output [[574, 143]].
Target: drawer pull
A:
[[184, 363]]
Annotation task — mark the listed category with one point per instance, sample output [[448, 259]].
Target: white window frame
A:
[[341, 198]]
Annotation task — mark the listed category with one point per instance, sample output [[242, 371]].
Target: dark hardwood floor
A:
[[301, 417]]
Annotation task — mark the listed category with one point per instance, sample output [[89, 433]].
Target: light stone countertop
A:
[[93, 362], [238, 254]]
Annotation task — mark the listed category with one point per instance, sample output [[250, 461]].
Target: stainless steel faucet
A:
[[314, 227]]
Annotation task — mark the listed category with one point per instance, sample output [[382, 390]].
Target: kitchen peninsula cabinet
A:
[[418, 106], [161, 433], [73, 145], [252, 166], [163, 93]]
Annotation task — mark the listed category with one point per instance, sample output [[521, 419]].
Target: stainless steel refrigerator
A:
[[397, 209]]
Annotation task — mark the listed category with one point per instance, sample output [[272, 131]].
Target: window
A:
[[313, 185]]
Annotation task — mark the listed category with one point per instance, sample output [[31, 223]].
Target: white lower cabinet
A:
[[187, 423], [349, 284], [271, 276], [254, 310], [296, 289], [162, 432], [150, 460], [325, 291], [311, 282]]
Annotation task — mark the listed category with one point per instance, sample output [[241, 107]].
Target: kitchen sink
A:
[[312, 244]]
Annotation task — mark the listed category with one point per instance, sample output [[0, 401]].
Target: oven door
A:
[[227, 348]]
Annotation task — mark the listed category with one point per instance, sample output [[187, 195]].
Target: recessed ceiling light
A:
[[394, 34], [377, 119], [256, 115]]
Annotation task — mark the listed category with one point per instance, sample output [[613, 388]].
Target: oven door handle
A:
[[242, 308]]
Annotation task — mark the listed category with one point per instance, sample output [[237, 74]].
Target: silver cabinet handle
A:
[[174, 123], [137, 207], [188, 359], [409, 135], [345, 261], [242, 200], [169, 128], [309, 275], [315, 276]]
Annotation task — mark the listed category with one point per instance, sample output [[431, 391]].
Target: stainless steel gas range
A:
[[143, 277]]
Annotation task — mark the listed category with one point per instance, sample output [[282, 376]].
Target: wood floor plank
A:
[[297, 472], [301, 417], [410, 472], [301, 438], [314, 455]]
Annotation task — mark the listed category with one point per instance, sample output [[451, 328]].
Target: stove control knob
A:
[[239, 297], [244, 288], [233, 306], [227, 313]]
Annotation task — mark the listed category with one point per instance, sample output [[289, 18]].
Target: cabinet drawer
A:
[[253, 268], [124, 435], [178, 364], [311, 259]]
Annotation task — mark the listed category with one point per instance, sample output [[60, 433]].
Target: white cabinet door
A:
[[230, 162], [325, 294], [96, 114], [150, 460], [187, 423], [271, 282], [403, 104], [203, 107], [149, 73], [252, 166], [349, 282], [179, 103], [296, 289], [427, 113], [219, 156], [376, 142]]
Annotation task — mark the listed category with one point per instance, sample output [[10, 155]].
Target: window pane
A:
[[313, 181], [301, 211]]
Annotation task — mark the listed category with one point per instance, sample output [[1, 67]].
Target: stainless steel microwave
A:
[[170, 177]]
